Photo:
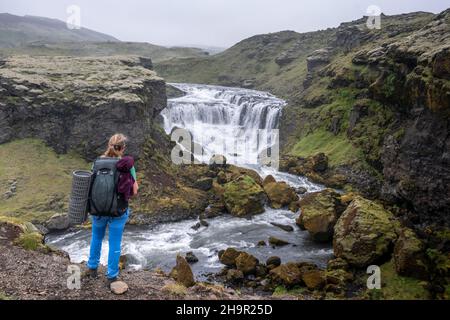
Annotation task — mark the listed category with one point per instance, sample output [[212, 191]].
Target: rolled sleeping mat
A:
[[81, 182]]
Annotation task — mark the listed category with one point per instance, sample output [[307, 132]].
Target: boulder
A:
[[118, 287], [58, 222], [204, 184], [319, 214], [364, 233], [287, 274], [229, 256], [409, 256], [268, 179], [191, 257], [314, 279], [261, 243], [244, 196], [319, 162], [234, 276], [273, 261], [336, 264], [277, 242], [284, 227], [182, 272], [280, 194], [246, 263]]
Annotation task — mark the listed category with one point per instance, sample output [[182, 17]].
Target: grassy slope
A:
[[43, 179]]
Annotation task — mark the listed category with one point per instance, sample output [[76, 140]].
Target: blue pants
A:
[[116, 226]]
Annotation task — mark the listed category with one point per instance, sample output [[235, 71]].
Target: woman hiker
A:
[[127, 187]]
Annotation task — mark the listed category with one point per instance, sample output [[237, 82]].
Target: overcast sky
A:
[[211, 22]]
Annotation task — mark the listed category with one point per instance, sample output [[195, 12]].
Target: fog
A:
[[219, 23]]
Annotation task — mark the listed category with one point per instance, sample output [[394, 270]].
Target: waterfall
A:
[[229, 121]]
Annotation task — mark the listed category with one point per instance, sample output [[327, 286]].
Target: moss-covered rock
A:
[[409, 256], [246, 263], [182, 272], [288, 274], [280, 194], [364, 233], [319, 213], [244, 196], [229, 256], [314, 279]]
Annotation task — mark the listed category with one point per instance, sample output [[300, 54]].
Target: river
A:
[[215, 116]]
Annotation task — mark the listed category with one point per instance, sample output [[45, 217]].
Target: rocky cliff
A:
[[375, 102], [78, 103]]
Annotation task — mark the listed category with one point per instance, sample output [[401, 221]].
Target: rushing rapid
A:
[[215, 116]]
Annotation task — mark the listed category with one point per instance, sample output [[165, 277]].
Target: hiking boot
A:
[[90, 273]]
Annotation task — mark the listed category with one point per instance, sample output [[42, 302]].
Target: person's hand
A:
[[135, 188]]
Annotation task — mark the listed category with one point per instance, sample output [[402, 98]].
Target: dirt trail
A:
[[28, 274]]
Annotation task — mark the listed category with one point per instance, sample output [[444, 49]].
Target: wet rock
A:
[[301, 190], [269, 179], [204, 223], [280, 194], [204, 184], [287, 274], [261, 243], [229, 256], [246, 263], [244, 196], [337, 263], [409, 257], [274, 261], [319, 214], [234, 276], [284, 227], [118, 287], [182, 272], [364, 233], [314, 279], [277, 242], [191, 257], [58, 222], [196, 226]]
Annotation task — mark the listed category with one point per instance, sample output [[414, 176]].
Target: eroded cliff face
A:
[[383, 99], [76, 104]]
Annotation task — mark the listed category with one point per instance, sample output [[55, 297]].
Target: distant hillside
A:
[[17, 31], [85, 49], [29, 35]]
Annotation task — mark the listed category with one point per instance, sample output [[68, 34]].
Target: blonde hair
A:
[[116, 146]]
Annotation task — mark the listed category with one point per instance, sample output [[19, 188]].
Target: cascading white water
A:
[[230, 121], [222, 113]]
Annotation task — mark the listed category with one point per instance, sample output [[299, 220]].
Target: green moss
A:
[[338, 148], [389, 85], [4, 296], [30, 241], [395, 287], [243, 196], [43, 179], [295, 291]]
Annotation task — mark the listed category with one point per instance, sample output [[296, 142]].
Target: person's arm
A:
[[135, 185]]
